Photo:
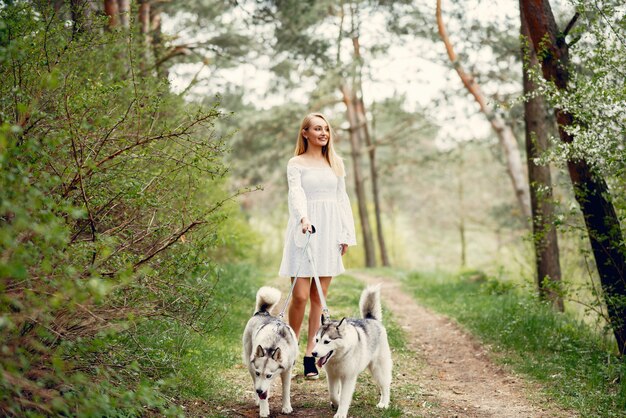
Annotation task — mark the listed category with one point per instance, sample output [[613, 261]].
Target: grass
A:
[[203, 367], [577, 368], [343, 300], [189, 366]]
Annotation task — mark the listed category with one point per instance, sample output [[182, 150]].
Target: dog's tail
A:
[[266, 298], [370, 303]]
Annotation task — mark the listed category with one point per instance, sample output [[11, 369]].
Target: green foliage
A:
[[592, 142], [532, 338], [187, 361], [295, 27], [115, 221], [264, 142], [210, 34], [596, 93]]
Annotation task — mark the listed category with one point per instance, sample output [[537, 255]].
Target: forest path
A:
[[444, 372], [457, 374]]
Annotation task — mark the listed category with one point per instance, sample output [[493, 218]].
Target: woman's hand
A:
[[344, 248], [306, 225]]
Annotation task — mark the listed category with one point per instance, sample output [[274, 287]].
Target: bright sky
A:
[[410, 69]]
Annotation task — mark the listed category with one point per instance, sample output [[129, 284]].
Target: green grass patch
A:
[[188, 363], [191, 367], [577, 367]]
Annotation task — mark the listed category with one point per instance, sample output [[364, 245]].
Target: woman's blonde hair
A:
[[328, 150]]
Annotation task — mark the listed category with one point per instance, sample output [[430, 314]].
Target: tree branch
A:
[[144, 141], [571, 24], [79, 168], [467, 79]]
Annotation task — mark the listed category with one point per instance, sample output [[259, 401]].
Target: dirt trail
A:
[[458, 374], [445, 374]]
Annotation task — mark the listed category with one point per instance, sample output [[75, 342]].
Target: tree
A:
[[350, 99], [124, 10], [352, 94], [112, 10], [504, 132], [118, 12], [590, 188], [363, 123], [545, 241], [210, 39], [321, 58], [398, 136]]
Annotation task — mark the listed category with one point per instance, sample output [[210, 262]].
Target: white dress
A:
[[320, 195]]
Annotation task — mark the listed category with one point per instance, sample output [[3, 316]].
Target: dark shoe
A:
[[310, 371]]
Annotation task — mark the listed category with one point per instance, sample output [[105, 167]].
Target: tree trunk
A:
[[461, 191], [157, 41], [363, 130], [591, 190], [548, 268], [81, 12], [144, 20], [111, 9], [504, 132], [368, 242], [144, 26], [124, 11], [365, 134], [58, 5], [362, 119]]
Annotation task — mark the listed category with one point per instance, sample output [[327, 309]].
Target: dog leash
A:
[[318, 285], [306, 250]]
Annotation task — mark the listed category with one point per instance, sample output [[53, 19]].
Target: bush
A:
[[114, 213]]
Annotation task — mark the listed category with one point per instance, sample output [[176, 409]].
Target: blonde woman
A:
[[317, 198]]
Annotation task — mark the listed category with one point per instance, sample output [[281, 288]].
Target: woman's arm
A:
[[348, 235], [297, 197]]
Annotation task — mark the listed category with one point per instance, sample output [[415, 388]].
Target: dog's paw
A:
[[287, 409], [382, 405], [338, 415]]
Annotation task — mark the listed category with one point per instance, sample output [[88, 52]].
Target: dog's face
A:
[[328, 340], [266, 364]]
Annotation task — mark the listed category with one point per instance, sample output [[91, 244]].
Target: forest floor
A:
[[444, 372]]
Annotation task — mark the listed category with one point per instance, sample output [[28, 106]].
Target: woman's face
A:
[[318, 132]]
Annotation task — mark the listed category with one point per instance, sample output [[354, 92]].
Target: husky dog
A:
[[345, 348], [269, 348]]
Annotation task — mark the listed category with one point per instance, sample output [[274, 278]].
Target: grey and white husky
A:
[[345, 348], [269, 349]]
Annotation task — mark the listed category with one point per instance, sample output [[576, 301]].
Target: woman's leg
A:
[[315, 312], [299, 299]]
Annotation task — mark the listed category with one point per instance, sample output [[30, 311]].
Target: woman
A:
[[317, 197]]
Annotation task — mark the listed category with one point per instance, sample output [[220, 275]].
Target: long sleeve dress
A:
[[320, 195]]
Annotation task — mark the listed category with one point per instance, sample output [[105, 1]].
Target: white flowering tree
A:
[[588, 95]]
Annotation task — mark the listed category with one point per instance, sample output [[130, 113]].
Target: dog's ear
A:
[[259, 352], [323, 320], [341, 325], [277, 355]]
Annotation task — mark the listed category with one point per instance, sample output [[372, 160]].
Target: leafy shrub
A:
[[114, 213]]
